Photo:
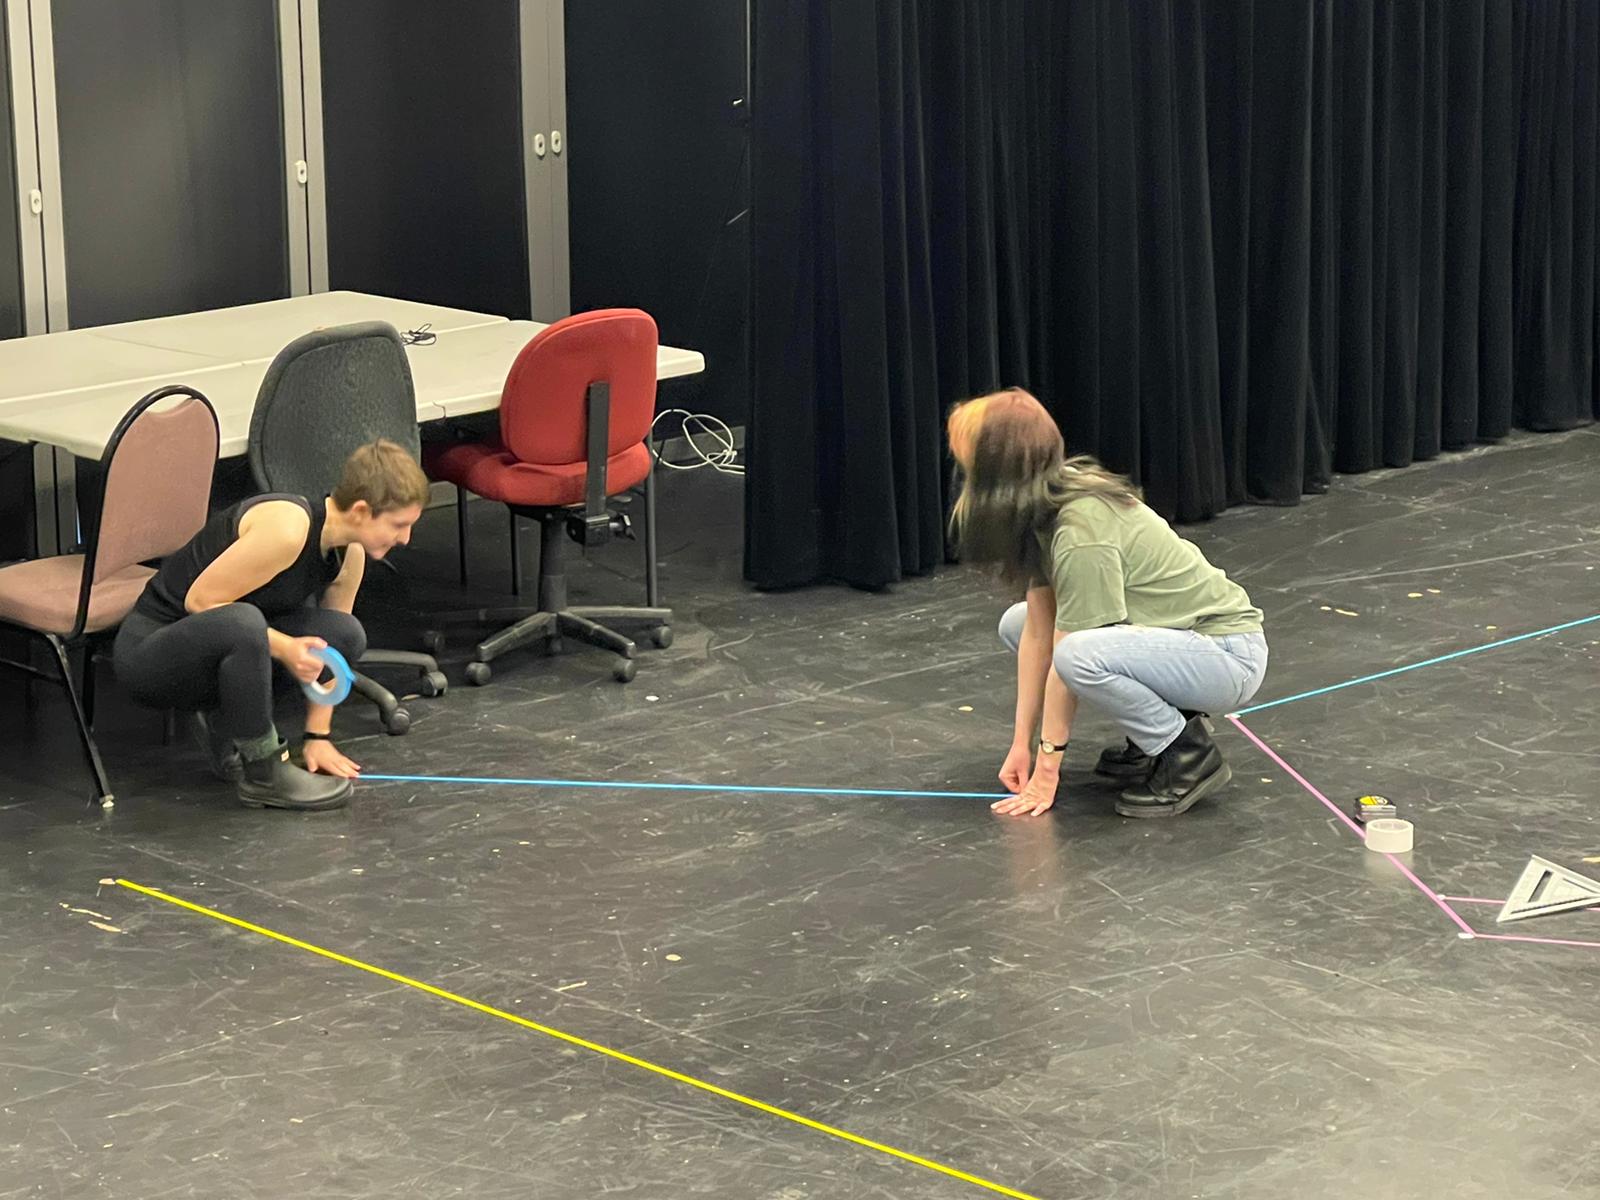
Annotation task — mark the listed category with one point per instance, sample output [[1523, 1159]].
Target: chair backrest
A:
[[324, 395], [543, 409], [158, 467]]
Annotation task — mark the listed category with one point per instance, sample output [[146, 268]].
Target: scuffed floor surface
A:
[[1239, 1003]]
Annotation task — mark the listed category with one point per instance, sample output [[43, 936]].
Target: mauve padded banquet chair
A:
[[157, 469]]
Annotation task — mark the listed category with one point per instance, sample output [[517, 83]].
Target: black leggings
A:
[[218, 661]]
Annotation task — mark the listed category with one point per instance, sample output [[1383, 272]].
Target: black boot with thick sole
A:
[[1186, 771], [1128, 763], [275, 782]]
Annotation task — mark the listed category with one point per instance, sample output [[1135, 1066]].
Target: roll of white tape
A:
[[1388, 835]]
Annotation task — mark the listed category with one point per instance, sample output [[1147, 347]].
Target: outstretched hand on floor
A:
[[324, 758], [1036, 798]]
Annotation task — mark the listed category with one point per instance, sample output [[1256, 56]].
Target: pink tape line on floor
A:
[[1538, 941], [1354, 827]]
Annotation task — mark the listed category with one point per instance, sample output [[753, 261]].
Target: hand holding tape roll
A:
[[336, 689]]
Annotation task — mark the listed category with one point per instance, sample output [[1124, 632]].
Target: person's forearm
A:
[[1060, 706], [278, 644], [1033, 666], [319, 718], [340, 597]]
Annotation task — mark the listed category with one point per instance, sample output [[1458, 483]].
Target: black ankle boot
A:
[[275, 782], [1185, 771], [221, 754], [1127, 763]]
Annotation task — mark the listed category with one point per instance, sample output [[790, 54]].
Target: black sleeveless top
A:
[[305, 578]]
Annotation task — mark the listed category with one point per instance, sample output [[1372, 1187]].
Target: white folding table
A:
[[35, 369], [465, 371], [254, 332], [81, 422], [69, 390]]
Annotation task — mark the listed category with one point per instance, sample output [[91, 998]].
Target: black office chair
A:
[[326, 394]]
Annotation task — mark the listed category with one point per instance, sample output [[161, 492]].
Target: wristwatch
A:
[[1046, 746]]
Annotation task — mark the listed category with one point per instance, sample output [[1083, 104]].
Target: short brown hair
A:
[[384, 474]]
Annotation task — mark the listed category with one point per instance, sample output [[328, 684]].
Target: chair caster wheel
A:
[[478, 673], [624, 669], [433, 684], [433, 642], [662, 637], [397, 722], [554, 646]]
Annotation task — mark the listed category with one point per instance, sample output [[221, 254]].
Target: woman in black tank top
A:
[[269, 580]]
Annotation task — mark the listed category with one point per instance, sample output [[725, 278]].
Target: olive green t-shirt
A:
[[1113, 563]]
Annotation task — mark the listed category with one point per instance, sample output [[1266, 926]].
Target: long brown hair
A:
[[1016, 477]]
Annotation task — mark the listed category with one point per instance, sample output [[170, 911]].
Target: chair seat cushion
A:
[[42, 594], [489, 470]]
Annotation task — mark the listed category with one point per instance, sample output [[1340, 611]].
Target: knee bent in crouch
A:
[[344, 633], [1012, 623]]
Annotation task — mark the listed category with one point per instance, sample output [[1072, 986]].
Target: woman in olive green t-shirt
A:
[[1133, 617]]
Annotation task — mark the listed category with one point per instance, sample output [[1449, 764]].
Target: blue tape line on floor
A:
[[1443, 658], [631, 785]]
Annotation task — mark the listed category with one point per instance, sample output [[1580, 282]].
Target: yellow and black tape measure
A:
[[1370, 808]]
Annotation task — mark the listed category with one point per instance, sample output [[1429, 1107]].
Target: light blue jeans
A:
[[1140, 677]]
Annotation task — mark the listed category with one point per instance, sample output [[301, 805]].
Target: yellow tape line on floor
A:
[[571, 1040]]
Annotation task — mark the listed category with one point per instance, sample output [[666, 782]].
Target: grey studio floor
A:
[[1239, 1003]]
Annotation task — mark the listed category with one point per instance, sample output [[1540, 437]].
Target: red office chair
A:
[[575, 421]]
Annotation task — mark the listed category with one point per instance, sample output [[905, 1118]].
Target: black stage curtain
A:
[[1235, 246]]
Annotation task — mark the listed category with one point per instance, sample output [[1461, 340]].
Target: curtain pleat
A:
[[1234, 245]]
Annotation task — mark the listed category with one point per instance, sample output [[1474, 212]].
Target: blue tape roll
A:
[[336, 689]]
